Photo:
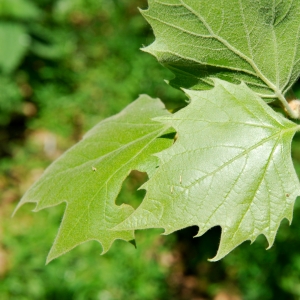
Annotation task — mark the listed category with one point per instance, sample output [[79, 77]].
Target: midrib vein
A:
[[274, 136], [258, 72], [193, 59], [104, 184]]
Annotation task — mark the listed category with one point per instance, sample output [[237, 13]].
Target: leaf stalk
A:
[[292, 113]]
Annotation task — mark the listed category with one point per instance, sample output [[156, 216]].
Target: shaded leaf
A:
[[89, 176], [240, 40], [230, 166]]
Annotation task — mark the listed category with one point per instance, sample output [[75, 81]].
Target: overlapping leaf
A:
[[238, 40], [230, 166], [89, 176]]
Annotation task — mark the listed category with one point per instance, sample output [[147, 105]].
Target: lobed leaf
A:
[[230, 166], [239, 40], [88, 177]]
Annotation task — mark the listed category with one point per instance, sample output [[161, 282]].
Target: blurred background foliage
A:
[[64, 66]]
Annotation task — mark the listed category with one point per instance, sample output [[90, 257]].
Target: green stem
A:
[[293, 114]]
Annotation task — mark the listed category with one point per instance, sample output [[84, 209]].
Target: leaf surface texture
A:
[[230, 167], [238, 40], [88, 177]]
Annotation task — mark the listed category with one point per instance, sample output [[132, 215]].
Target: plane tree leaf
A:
[[230, 166], [89, 176], [239, 40]]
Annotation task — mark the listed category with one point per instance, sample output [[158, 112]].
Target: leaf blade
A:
[[198, 40], [88, 177], [230, 167]]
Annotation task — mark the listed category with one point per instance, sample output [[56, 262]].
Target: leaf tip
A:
[[151, 49], [167, 231], [21, 203], [270, 241], [218, 256], [50, 257], [142, 11], [16, 209], [146, 49]]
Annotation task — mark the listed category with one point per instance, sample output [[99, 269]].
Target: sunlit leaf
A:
[[89, 176], [230, 166]]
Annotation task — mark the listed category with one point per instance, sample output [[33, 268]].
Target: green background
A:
[[64, 66]]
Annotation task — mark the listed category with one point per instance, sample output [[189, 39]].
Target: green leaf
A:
[[19, 9], [89, 176], [14, 43], [239, 40], [230, 166]]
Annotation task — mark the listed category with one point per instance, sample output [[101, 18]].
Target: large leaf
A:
[[253, 41], [89, 176], [230, 167]]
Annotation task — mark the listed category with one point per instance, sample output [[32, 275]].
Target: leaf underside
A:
[[230, 166], [239, 40], [89, 176]]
